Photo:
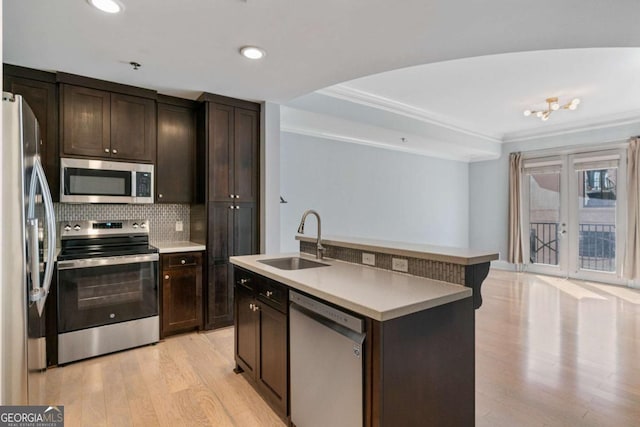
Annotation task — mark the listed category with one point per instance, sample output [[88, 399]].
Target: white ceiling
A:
[[188, 46], [486, 61], [487, 95]]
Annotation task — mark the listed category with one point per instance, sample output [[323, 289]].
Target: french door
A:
[[574, 209]]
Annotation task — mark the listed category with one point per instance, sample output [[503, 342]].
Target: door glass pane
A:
[[597, 219], [544, 217]]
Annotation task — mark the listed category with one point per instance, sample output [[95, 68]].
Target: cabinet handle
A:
[[231, 196], [237, 196], [182, 261], [269, 293], [114, 151], [166, 276], [256, 307], [251, 307], [237, 207], [231, 207], [106, 150], [243, 281], [159, 196]]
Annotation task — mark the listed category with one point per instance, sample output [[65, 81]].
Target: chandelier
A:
[[552, 105]]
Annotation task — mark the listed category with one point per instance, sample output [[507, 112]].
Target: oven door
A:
[[101, 291]]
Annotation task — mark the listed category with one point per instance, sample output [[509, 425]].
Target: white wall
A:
[[270, 179], [362, 191], [489, 183]]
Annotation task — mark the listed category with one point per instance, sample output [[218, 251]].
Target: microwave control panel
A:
[[143, 184]]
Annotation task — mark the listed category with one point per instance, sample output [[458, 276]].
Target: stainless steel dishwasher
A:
[[326, 362]]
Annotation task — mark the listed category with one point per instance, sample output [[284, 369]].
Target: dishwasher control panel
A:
[[347, 320]]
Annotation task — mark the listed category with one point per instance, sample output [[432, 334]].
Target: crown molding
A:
[[372, 143], [302, 122], [357, 96], [610, 121]]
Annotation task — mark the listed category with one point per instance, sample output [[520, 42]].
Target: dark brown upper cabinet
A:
[[105, 124], [175, 165], [86, 122], [39, 90], [233, 153]]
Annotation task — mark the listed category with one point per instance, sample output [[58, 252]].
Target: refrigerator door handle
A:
[[51, 235], [39, 294], [34, 258]]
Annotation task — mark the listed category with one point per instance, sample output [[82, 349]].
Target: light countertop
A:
[[372, 292], [171, 247], [449, 254]]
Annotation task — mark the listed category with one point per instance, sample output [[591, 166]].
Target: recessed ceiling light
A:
[[109, 6], [252, 52]]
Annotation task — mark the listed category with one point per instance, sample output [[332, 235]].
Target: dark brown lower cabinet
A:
[[233, 230], [181, 292], [220, 295], [262, 336]]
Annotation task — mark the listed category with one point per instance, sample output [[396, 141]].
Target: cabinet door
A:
[[221, 136], [246, 330], [220, 231], [86, 122], [272, 356], [245, 230], [175, 156], [133, 128], [42, 97], [220, 295], [181, 298], [246, 155]]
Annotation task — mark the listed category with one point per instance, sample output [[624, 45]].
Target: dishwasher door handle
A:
[[352, 335]]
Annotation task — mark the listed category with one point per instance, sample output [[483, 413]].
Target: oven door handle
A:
[[106, 261]]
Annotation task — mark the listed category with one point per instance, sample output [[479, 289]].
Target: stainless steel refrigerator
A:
[[27, 255]]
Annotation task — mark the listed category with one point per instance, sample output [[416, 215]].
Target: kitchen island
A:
[[463, 266], [419, 347]]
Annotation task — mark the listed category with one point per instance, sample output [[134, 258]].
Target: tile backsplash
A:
[[162, 217]]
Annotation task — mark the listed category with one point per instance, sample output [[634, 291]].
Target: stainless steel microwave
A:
[[99, 181]]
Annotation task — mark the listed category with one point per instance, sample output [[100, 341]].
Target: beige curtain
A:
[[632, 254], [515, 254]]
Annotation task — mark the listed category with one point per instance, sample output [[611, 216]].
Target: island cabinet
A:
[[181, 295], [418, 368], [226, 215], [261, 345], [39, 90], [107, 124], [175, 165]]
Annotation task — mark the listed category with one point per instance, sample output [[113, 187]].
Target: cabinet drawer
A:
[[245, 279], [274, 294], [182, 259]]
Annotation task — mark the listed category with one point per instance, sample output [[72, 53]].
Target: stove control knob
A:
[[76, 227], [135, 225], [143, 225], [67, 227]]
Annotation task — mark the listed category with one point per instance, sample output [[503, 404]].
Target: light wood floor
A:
[[548, 352]]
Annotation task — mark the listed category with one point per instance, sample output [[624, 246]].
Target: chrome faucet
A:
[[319, 247]]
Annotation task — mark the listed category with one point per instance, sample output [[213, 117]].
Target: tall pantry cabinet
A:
[[226, 215]]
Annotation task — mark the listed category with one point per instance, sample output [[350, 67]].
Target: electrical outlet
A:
[[399, 264], [368, 259], [179, 226]]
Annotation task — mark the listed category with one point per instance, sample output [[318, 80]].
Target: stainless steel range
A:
[[107, 288]]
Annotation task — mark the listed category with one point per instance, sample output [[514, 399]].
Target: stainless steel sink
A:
[[293, 263]]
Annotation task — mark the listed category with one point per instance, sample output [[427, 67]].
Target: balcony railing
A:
[[596, 248], [543, 243]]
